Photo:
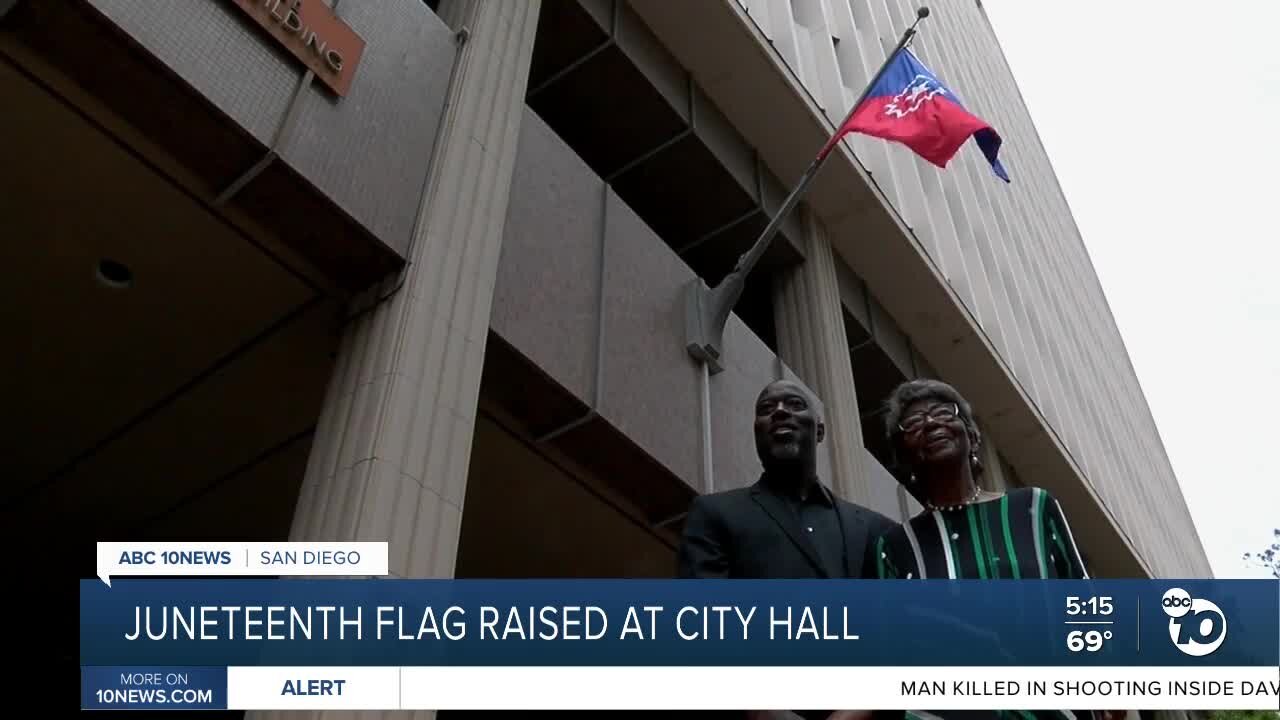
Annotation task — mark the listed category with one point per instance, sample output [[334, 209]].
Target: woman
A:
[[966, 532]]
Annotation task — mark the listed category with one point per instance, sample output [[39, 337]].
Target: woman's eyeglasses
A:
[[939, 413]]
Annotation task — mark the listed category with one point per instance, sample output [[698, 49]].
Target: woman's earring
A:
[[912, 479]]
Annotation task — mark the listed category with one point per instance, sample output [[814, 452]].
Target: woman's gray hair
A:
[[926, 389], [923, 389]]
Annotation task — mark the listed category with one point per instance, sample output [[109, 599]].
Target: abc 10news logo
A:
[[1197, 626]]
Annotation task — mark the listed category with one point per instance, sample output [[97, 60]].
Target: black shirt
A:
[[813, 506]]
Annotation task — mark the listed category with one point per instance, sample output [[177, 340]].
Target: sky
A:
[[1162, 121]]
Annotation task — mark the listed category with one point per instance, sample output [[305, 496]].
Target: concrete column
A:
[[812, 341], [393, 443], [992, 471], [908, 506], [392, 446]]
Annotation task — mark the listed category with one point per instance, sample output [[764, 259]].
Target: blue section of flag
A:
[[798, 622], [901, 71], [153, 688], [989, 143]]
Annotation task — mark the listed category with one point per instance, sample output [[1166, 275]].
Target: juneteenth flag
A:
[[904, 102], [908, 104]]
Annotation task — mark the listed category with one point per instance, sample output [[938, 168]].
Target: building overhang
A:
[[213, 101], [751, 83]]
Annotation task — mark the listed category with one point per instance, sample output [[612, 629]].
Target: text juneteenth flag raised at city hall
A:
[[908, 104], [614, 644]]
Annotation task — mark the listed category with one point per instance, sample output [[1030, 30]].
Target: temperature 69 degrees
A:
[[1089, 622]]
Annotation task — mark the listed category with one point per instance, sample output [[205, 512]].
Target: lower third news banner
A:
[[924, 645]]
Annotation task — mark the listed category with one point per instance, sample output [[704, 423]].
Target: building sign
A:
[[311, 32]]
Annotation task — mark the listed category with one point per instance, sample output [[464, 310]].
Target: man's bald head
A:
[[788, 429]]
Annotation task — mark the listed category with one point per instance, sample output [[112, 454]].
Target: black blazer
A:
[[751, 533]]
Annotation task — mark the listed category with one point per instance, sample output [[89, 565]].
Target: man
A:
[[788, 524]]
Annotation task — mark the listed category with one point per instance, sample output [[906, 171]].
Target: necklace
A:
[[977, 491]]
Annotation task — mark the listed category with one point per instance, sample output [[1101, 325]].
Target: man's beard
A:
[[786, 459]]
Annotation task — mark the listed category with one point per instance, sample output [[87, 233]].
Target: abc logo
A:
[[1196, 626]]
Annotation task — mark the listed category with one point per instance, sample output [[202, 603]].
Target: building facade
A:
[[413, 271]]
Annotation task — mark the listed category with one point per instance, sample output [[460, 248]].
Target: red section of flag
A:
[[935, 129]]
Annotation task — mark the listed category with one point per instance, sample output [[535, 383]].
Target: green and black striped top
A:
[[1020, 535]]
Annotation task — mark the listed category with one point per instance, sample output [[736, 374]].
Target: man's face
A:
[[786, 427]]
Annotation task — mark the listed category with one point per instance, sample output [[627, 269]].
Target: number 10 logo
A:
[[1196, 626]]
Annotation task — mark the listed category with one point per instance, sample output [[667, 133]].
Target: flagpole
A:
[[707, 309]]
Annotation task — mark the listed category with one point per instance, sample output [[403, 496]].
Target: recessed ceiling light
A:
[[113, 274]]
